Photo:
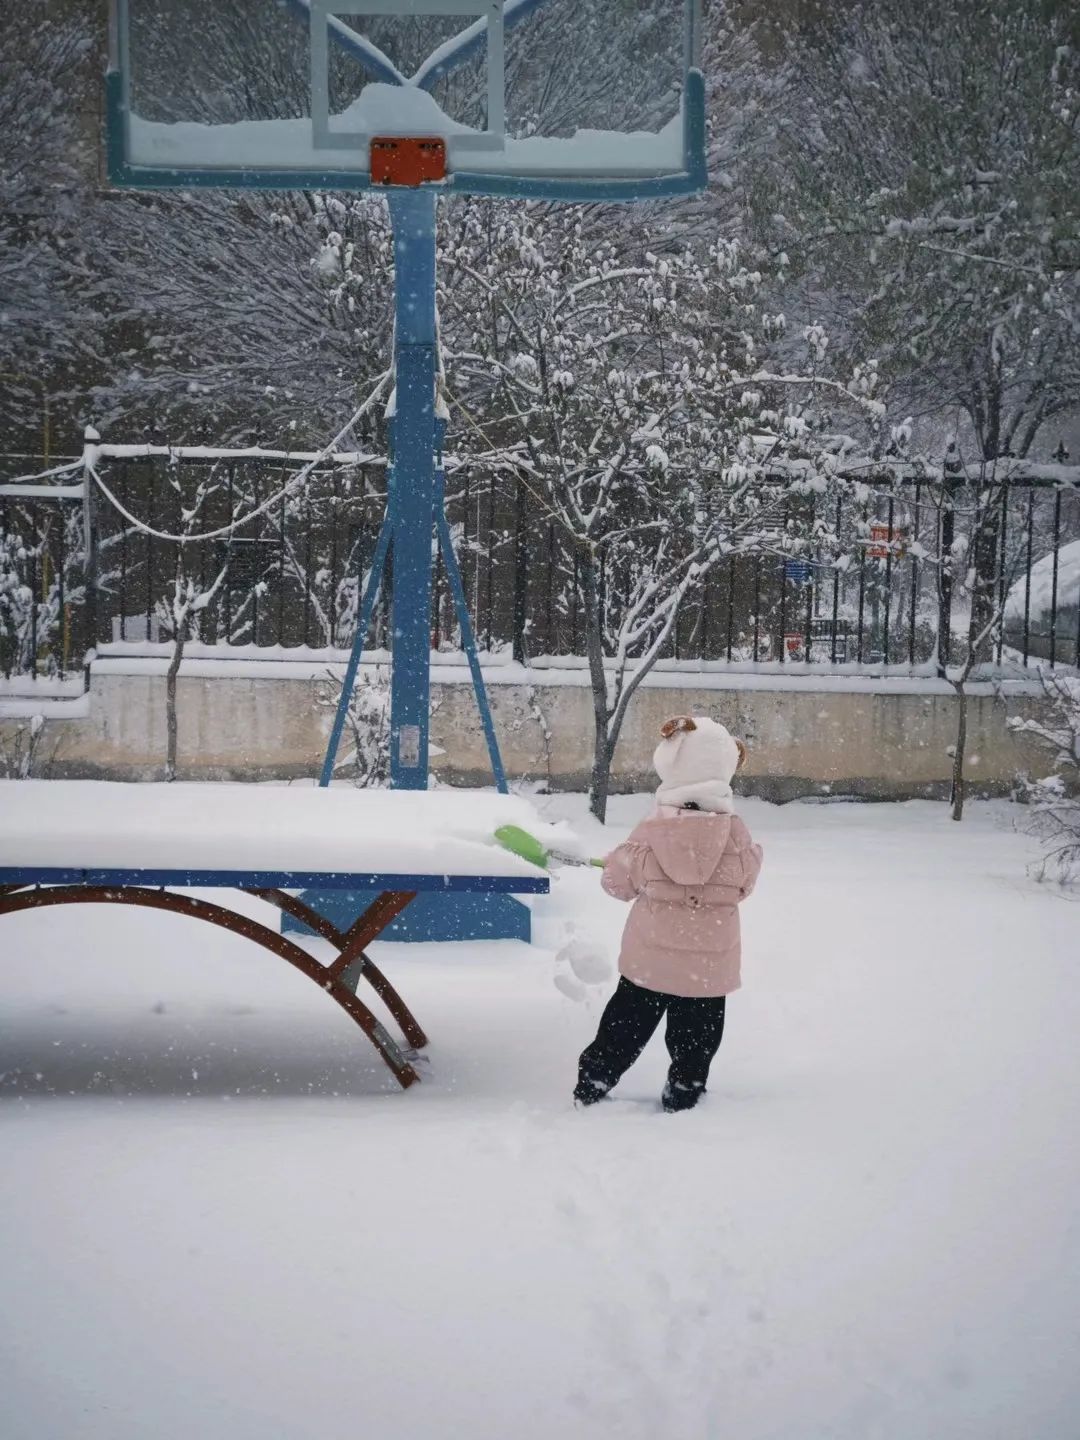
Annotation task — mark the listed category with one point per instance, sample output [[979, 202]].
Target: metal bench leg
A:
[[357, 1011], [352, 966], [376, 1032]]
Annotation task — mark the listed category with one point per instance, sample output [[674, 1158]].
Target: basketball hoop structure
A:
[[393, 135]]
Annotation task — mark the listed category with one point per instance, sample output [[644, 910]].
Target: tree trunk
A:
[[957, 796], [521, 575], [170, 706], [600, 782], [985, 564], [600, 779]]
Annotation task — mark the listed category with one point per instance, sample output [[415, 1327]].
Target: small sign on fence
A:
[[887, 540], [799, 572]]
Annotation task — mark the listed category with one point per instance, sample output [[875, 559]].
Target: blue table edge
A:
[[279, 880]]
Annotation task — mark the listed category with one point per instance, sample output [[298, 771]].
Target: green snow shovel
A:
[[520, 842]]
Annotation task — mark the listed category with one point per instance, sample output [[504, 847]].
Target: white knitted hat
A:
[[695, 761]]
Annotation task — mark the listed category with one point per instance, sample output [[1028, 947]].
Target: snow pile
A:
[[589, 962], [581, 965], [1042, 585]]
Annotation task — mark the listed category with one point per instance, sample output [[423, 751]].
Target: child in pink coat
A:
[[686, 868]]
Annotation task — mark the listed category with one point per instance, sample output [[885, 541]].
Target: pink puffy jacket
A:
[[686, 872]]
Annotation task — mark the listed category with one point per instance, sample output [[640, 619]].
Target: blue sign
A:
[[797, 571]]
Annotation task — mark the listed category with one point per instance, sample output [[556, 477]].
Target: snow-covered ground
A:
[[220, 1219]]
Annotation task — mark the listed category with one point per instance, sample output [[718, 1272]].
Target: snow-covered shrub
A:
[[366, 758], [34, 592], [1055, 796], [16, 604], [22, 755]]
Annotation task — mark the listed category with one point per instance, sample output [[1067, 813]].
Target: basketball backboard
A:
[[558, 99]]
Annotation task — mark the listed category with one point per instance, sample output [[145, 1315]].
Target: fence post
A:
[[950, 472], [91, 456], [521, 562], [1054, 579]]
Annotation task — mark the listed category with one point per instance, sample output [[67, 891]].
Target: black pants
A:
[[694, 1031]]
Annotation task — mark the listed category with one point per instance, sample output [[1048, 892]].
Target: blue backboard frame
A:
[[691, 177]]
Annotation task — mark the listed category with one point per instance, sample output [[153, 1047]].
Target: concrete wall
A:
[[890, 741]]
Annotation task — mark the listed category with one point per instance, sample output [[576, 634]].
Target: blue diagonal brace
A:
[[378, 65], [468, 639], [363, 624], [470, 42]]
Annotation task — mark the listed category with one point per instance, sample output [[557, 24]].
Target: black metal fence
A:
[[872, 596]]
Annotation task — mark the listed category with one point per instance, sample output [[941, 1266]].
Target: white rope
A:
[[267, 504], [46, 474]]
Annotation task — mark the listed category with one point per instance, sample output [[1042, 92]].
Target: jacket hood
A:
[[688, 847]]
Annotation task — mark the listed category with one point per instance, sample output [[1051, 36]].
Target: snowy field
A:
[[220, 1219]]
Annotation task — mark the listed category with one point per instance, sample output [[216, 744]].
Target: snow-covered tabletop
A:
[[207, 834]]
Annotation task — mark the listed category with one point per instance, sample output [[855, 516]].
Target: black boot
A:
[[588, 1092], [680, 1097]]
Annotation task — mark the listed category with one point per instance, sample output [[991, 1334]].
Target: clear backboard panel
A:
[[560, 97]]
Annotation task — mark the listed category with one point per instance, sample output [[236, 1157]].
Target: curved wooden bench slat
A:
[[294, 906], [14, 900]]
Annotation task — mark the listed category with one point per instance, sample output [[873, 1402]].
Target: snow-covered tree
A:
[[926, 190], [190, 595], [927, 185], [1055, 797], [47, 316], [975, 577], [635, 403], [250, 317]]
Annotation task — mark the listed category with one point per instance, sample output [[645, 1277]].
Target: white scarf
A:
[[715, 796]]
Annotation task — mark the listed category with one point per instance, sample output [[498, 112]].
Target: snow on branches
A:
[[948, 233], [634, 401], [1055, 797], [48, 320]]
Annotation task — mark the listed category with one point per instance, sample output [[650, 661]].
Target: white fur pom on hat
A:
[[696, 760]]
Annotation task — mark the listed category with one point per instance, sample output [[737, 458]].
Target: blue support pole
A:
[[468, 639], [363, 625], [412, 484]]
